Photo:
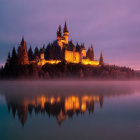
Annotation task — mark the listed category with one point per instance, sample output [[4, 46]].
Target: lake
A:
[[69, 110]]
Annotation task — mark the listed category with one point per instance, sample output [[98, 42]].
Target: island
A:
[[59, 60]]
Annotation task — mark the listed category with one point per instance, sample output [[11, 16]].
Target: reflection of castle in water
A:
[[61, 108]]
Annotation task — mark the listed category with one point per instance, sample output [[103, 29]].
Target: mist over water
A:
[[69, 110]]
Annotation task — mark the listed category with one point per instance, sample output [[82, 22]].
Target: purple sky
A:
[[112, 26]]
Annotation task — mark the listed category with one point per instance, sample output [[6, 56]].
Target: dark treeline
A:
[[88, 72], [62, 70], [19, 66]]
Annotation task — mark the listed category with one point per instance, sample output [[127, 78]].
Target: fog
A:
[[64, 88]]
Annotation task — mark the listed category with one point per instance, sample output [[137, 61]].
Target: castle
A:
[[69, 53], [61, 50]]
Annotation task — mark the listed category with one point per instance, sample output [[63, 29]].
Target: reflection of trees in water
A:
[[23, 98], [62, 109]]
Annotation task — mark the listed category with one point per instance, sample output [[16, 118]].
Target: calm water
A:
[[69, 110]]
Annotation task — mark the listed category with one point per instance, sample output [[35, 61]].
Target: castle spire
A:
[[65, 28], [59, 34]]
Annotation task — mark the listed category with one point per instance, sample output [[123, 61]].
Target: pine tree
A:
[[8, 61], [101, 61], [30, 54], [14, 57], [9, 58], [90, 53], [82, 46], [22, 53], [36, 53], [78, 47], [42, 49], [47, 50]]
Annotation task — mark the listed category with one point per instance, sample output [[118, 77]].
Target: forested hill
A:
[[69, 71]]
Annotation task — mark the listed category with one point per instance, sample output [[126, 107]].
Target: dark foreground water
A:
[[70, 110]]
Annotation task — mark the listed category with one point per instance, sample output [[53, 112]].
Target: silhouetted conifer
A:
[[36, 53], [22, 54], [43, 47], [78, 47], [47, 51], [90, 53], [82, 46], [14, 57], [30, 54], [101, 61], [8, 61]]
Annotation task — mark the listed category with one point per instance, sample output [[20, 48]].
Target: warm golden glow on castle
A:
[[69, 53], [61, 50]]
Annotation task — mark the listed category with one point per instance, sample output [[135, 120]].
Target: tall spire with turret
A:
[[59, 33], [66, 34], [65, 28]]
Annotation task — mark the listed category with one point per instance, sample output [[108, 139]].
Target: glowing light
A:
[[58, 99], [71, 103], [72, 57], [83, 107], [52, 100], [43, 62], [90, 62]]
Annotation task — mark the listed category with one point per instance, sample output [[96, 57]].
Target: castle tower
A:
[[59, 37], [59, 33], [66, 33]]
